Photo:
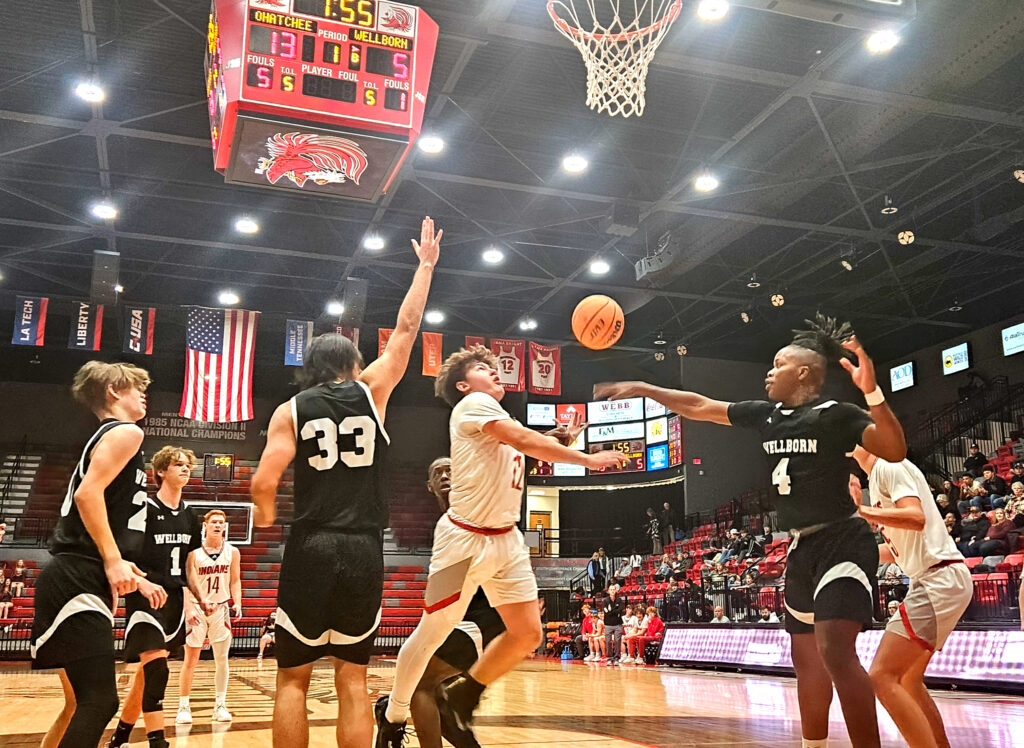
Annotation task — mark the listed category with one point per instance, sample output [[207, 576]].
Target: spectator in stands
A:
[[267, 633], [720, 616], [973, 528], [1016, 473], [995, 542], [17, 577], [664, 570], [952, 525], [595, 574], [1015, 504], [6, 601], [952, 490], [655, 628], [614, 608], [945, 505], [672, 606], [581, 642], [636, 561], [667, 525], [893, 608], [768, 615], [653, 530], [683, 563], [3, 531], [970, 494], [993, 487], [974, 462], [732, 545], [624, 570]]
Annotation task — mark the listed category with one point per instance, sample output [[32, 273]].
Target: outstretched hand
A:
[[616, 390], [566, 434], [863, 373], [429, 245]]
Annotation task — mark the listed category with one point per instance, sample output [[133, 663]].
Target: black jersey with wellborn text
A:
[[125, 499], [339, 459], [806, 448], [171, 534]]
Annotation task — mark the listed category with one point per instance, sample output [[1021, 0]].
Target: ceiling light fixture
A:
[[527, 324], [434, 317], [753, 282], [659, 355], [1018, 174], [778, 299], [90, 91], [956, 306], [246, 225], [118, 288], [905, 237], [681, 350], [659, 338], [493, 255], [104, 210], [373, 242], [745, 316], [430, 144], [847, 259], [574, 163], [705, 182], [882, 41], [887, 207], [712, 10], [228, 298], [599, 267], [335, 308], [847, 265]]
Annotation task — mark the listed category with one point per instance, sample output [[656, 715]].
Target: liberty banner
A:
[[297, 337], [86, 326], [29, 320], [545, 369], [139, 322], [511, 363]]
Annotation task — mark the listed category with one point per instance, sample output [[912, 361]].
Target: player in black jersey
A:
[[830, 574], [480, 625], [101, 527], [332, 574], [153, 633]]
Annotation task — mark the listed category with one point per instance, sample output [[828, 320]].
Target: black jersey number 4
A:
[[326, 432]]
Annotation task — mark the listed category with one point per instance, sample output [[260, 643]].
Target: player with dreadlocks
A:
[[833, 559]]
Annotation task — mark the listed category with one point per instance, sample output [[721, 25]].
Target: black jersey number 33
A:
[[333, 440]]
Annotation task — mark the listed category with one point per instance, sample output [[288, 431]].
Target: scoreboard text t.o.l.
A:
[[324, 96]]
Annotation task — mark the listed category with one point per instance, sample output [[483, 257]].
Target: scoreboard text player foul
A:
[[324, 96]]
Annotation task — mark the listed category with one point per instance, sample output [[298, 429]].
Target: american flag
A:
[[218, 371]]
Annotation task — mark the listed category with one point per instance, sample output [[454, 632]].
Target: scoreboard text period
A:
[[356, 71]]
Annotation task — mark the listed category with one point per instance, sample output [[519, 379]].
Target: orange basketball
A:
[[597, 322]]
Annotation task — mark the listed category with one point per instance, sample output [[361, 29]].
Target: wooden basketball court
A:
[[542, 704]]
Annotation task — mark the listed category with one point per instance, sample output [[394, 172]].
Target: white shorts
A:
[[215, 625], [933, 605], [462, 561]]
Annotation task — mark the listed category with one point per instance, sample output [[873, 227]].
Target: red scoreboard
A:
[[324, 96]]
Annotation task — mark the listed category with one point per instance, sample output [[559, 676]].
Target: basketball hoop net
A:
[[617, 51]]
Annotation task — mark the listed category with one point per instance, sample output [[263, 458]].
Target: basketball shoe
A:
[[389, 734]]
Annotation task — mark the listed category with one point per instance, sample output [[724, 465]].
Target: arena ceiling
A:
[[806, 131]]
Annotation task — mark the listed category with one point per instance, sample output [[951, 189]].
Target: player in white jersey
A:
[[215, 569], [940, 591], [477, 544]]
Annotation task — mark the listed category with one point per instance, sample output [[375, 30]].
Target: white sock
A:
[[183, 702], [414, 655], [823, 743], [222, 700], [220, 669]]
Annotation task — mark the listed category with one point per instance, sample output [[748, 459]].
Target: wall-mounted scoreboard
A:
[[323, 96]]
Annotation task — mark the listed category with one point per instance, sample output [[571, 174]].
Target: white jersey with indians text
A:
[[915, 552], [214, 573], [487, 475]]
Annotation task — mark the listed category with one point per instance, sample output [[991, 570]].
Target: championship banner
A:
[[352, 333], [432, 355], [383, 336], [29, 320], [472, 340], [545, 369], [297, 337], [86, 326], [138, 330], [511, 363]]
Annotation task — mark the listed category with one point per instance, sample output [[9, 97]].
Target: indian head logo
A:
[[395, 18], [324, 159]]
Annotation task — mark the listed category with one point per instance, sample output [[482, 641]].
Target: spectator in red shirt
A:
[[579, 643], [653, 632]]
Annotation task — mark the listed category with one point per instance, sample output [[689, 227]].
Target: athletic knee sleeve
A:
[[95, 687], [220, 661], [155, 686]]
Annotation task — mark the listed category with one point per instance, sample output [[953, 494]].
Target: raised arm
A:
[[384, 374], [547, 448], [885, 436], [277, 456], [689, 405]]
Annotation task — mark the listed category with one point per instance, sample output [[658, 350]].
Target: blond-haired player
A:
[[215, 569]]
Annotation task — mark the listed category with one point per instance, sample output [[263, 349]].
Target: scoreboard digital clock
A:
[[325, 96], [632, 448]]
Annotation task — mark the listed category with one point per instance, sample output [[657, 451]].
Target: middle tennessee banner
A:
[[297, 337], [431, 354], [511, 363], [86, 326], [138, 330], [545, 369]]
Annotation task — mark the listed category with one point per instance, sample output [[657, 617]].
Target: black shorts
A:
[[73, 617], [147, 630], [329, 597], [830, 575], [459, 650]]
